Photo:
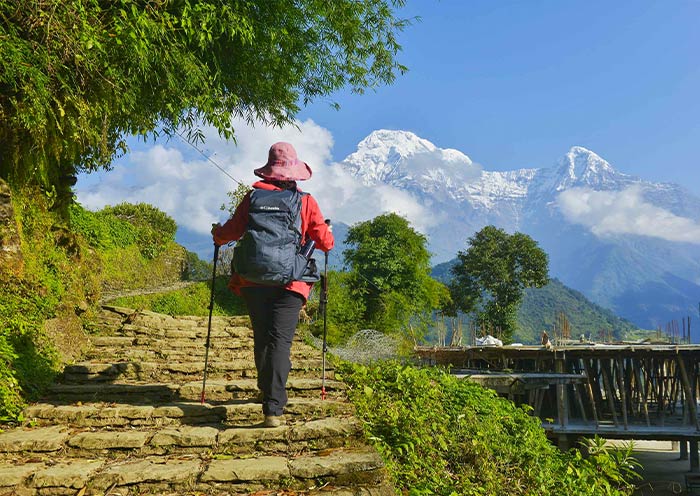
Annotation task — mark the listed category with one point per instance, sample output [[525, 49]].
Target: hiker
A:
[[274, 286]]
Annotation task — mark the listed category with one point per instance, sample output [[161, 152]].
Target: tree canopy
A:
[[78, 76], [491, 276], [390, 273]]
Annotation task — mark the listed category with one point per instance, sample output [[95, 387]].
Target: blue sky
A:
[[516, 83], [512, 84]]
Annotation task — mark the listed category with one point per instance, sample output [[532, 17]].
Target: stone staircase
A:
[[128, 420]]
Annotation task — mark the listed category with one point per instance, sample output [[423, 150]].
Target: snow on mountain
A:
[[406, 161], [582, 167], [631, 271], [403, 159]]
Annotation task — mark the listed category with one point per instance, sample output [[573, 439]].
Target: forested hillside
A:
[[541, 307]]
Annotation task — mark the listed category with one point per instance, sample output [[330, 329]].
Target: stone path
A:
[[128, 420]]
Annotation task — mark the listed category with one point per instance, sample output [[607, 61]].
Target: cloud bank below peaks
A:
[[187, 186], [608, 213]]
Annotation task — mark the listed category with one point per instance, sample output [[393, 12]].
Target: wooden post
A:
[[676, 385], [661, 401], [683, 451], [579, 400], [539, 399], [562, 400], [623, 391], [594, 390], [591, 396], [609, 389], [641, 384], [689, 396], [694, 461]]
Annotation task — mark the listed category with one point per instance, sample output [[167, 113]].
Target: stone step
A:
[[217, 390], [198, 333], [172, 414], [133, 423], [118, 342], [112, 313], [85, 372], [129, 353], [350, 470], [292, 439], [106, 346]]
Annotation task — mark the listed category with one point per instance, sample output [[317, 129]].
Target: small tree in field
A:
[[491, 276]]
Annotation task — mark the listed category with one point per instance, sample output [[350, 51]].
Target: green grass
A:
[[191, 300]]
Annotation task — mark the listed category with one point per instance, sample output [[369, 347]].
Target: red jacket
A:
[[312, 226]]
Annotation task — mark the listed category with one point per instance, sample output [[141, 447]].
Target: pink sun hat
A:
[[283, 165]]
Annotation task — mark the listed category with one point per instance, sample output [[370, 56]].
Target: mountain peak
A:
[[581, 166], [391, 156], [404, 141]]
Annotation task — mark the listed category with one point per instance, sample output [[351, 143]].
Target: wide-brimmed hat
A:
[[283, 165]]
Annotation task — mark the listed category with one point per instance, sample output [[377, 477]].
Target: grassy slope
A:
[[192, 300]]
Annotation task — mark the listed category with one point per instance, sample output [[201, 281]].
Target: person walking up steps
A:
[[272, 224]]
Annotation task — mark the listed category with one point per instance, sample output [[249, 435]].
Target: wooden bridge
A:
[[625, 391]]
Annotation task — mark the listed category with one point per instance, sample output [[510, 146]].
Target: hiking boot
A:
[[274, 421]]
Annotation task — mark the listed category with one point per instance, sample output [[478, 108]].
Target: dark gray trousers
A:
[[274, 313]]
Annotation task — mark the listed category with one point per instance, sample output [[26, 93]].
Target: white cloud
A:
[[625, 212], [180, 181]]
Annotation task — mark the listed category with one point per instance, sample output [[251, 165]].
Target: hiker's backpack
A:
[[269, 252]]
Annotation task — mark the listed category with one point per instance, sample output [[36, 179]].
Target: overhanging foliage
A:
[[77, 76]]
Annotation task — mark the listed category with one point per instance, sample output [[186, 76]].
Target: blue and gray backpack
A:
[[269, 252]]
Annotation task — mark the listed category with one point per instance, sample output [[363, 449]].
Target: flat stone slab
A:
[[336, 462], [265, 468], [38, 439], [328, 427], [110, 440], [121, 388], [253, 435], [112, 341], [14, 476], [73, 474], [147, 470], [186, 436], [71, 413], [120, 414]]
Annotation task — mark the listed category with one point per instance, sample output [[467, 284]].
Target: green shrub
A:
[[442, 435], [101, 229], [154, 228]]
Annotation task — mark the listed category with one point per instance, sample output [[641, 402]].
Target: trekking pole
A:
[[211, 309], [324, 307]]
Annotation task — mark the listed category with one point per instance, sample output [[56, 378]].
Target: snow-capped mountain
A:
[[404, 160], [628, 244]]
